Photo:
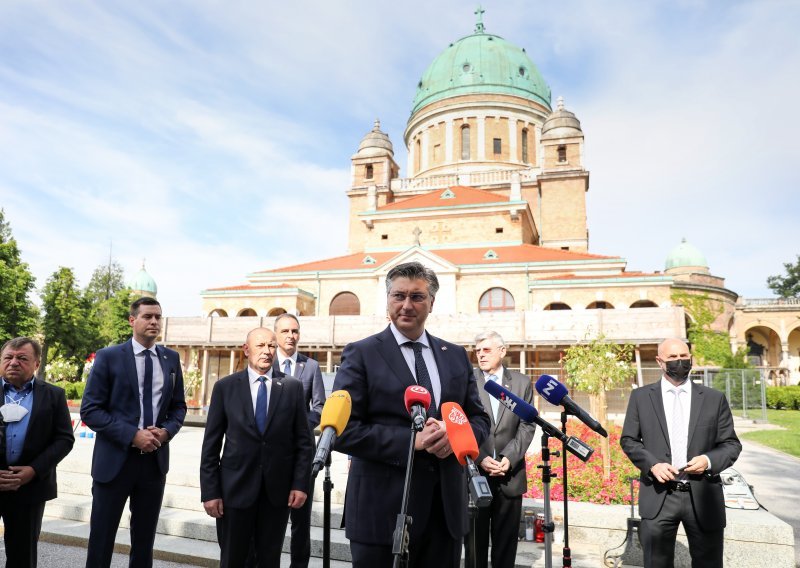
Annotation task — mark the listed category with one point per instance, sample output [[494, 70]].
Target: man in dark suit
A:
[[265, 466], [35, 434], [502, 456], [307, 371], [680, 435], [134, 401], [376, 372]]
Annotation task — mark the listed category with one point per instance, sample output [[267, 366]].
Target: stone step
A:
[[187, 551]]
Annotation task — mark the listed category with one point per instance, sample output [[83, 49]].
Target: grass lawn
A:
[[787, 441]]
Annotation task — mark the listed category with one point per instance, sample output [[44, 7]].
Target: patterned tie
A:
[[493, 400], [261, 405], [423, 377], [287, 367], [147, 390], [678, 441]]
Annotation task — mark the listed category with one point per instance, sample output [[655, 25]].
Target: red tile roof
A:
[[571, 276], [241, 287], [349, 262], [461, 196]]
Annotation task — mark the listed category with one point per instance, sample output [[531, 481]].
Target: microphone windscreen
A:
[[551, 390], [336, 411], [459, 432], [511, 401], [416, 394]]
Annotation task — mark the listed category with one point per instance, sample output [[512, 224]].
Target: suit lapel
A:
[[242, 391], [301, 366], [129, 362], [39, 403], [169, 380], [694, 411], [275, 394], [501, 409], [658, 408], [390, 351], [486, 400]]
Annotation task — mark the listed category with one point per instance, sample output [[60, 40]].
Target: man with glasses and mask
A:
[[376, 372], [36, 432], [680, 435]]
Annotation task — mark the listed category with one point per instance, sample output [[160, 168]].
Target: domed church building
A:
[[494, 200]]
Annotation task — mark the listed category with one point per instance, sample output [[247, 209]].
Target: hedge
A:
[[74, 391], [784, 397]]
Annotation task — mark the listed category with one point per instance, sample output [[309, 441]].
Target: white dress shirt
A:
[[158, 378], [254, 383], [427, 356], [668, 399]]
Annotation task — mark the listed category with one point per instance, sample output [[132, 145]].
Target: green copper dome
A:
[[481, 63], [685, 254], [143, 282]]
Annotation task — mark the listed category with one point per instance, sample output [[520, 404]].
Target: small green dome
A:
[[143, 282], [481, 63], [685, 254]]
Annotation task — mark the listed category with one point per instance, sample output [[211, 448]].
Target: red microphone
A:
[[417, 400], [465, 447]]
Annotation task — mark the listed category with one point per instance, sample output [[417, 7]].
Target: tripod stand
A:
[[566, 553], [548, 525]]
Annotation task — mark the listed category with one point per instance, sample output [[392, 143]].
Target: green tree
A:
[[111, 318], [709, 347], [68, 327], [106, 281], [18, 315], [787, 286], [595, 367]]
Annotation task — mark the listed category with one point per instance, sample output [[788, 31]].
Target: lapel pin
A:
[[444, 347]]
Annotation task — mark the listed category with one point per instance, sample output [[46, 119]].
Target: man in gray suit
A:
[[680, 435], [307, 371], [502, 455]]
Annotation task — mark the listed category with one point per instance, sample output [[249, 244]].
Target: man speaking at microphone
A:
[[502, 455], [376, 372]]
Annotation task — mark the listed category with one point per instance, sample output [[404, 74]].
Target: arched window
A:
[[496, 300], [644, 304], [557, 306], [600, 305], [562, 154], [246, 313], [524, 145], [219, 312], [275, 312], [417, 155], [465, 142], [345, 304]]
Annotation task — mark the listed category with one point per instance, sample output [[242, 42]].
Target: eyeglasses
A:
[[415, 297]]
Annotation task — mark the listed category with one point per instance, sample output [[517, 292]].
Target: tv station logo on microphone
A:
[[548, 390], [507, 402], [418, 389], [456, 416]]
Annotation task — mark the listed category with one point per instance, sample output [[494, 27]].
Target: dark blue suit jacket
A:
[[111, 406], [377, 437], [308, 373]]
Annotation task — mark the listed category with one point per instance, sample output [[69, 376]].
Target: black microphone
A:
[[557, 394], [528, 413]]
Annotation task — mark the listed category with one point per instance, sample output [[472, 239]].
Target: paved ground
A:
[[773, 476], [61, 556]]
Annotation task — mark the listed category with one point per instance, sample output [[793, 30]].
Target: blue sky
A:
[[214, 138]]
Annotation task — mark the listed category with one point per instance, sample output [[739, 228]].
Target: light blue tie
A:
[[261, 405], [287, 367], [494, 401]]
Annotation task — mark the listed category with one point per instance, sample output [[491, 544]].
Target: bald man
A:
[[265, 465], [680, 435]]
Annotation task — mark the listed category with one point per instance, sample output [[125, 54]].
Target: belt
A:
[[682, 486]]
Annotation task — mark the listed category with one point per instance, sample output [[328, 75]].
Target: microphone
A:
[[465, 447], [335, 415], [557, 394], [417, 400], [528, 413]]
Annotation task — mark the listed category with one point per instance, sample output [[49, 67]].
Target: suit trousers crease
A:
[[141, 480], [658, 535], [22, 524]]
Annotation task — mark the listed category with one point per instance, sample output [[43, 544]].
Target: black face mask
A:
[[678, 369]]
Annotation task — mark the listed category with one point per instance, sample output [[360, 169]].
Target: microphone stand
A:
[[567, 553], [547, 526], [402, 529], [471, 549], [327, 487]]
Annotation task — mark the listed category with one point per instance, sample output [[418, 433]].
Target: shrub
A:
[[73, 391], [585, 480], [60, 369], [784, 397]]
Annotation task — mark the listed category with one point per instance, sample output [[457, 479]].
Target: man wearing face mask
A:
[[680, 435]]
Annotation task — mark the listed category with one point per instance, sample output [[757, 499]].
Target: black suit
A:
[[377, 436], [255, 472], [307, 371], [645, 440], [111, 406], [48, 439], [508, 437]]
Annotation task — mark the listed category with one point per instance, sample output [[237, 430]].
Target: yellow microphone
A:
[[335, 415]]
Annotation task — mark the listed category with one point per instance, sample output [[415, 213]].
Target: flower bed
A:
[[585, 480]]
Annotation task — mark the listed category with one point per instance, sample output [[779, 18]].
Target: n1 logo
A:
[[548, 390]]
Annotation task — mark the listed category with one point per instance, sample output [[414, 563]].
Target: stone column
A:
[[448, 141], [512, 140], [204, 382], [481, 150], [522, 362], [329, 362], [232, 366]]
